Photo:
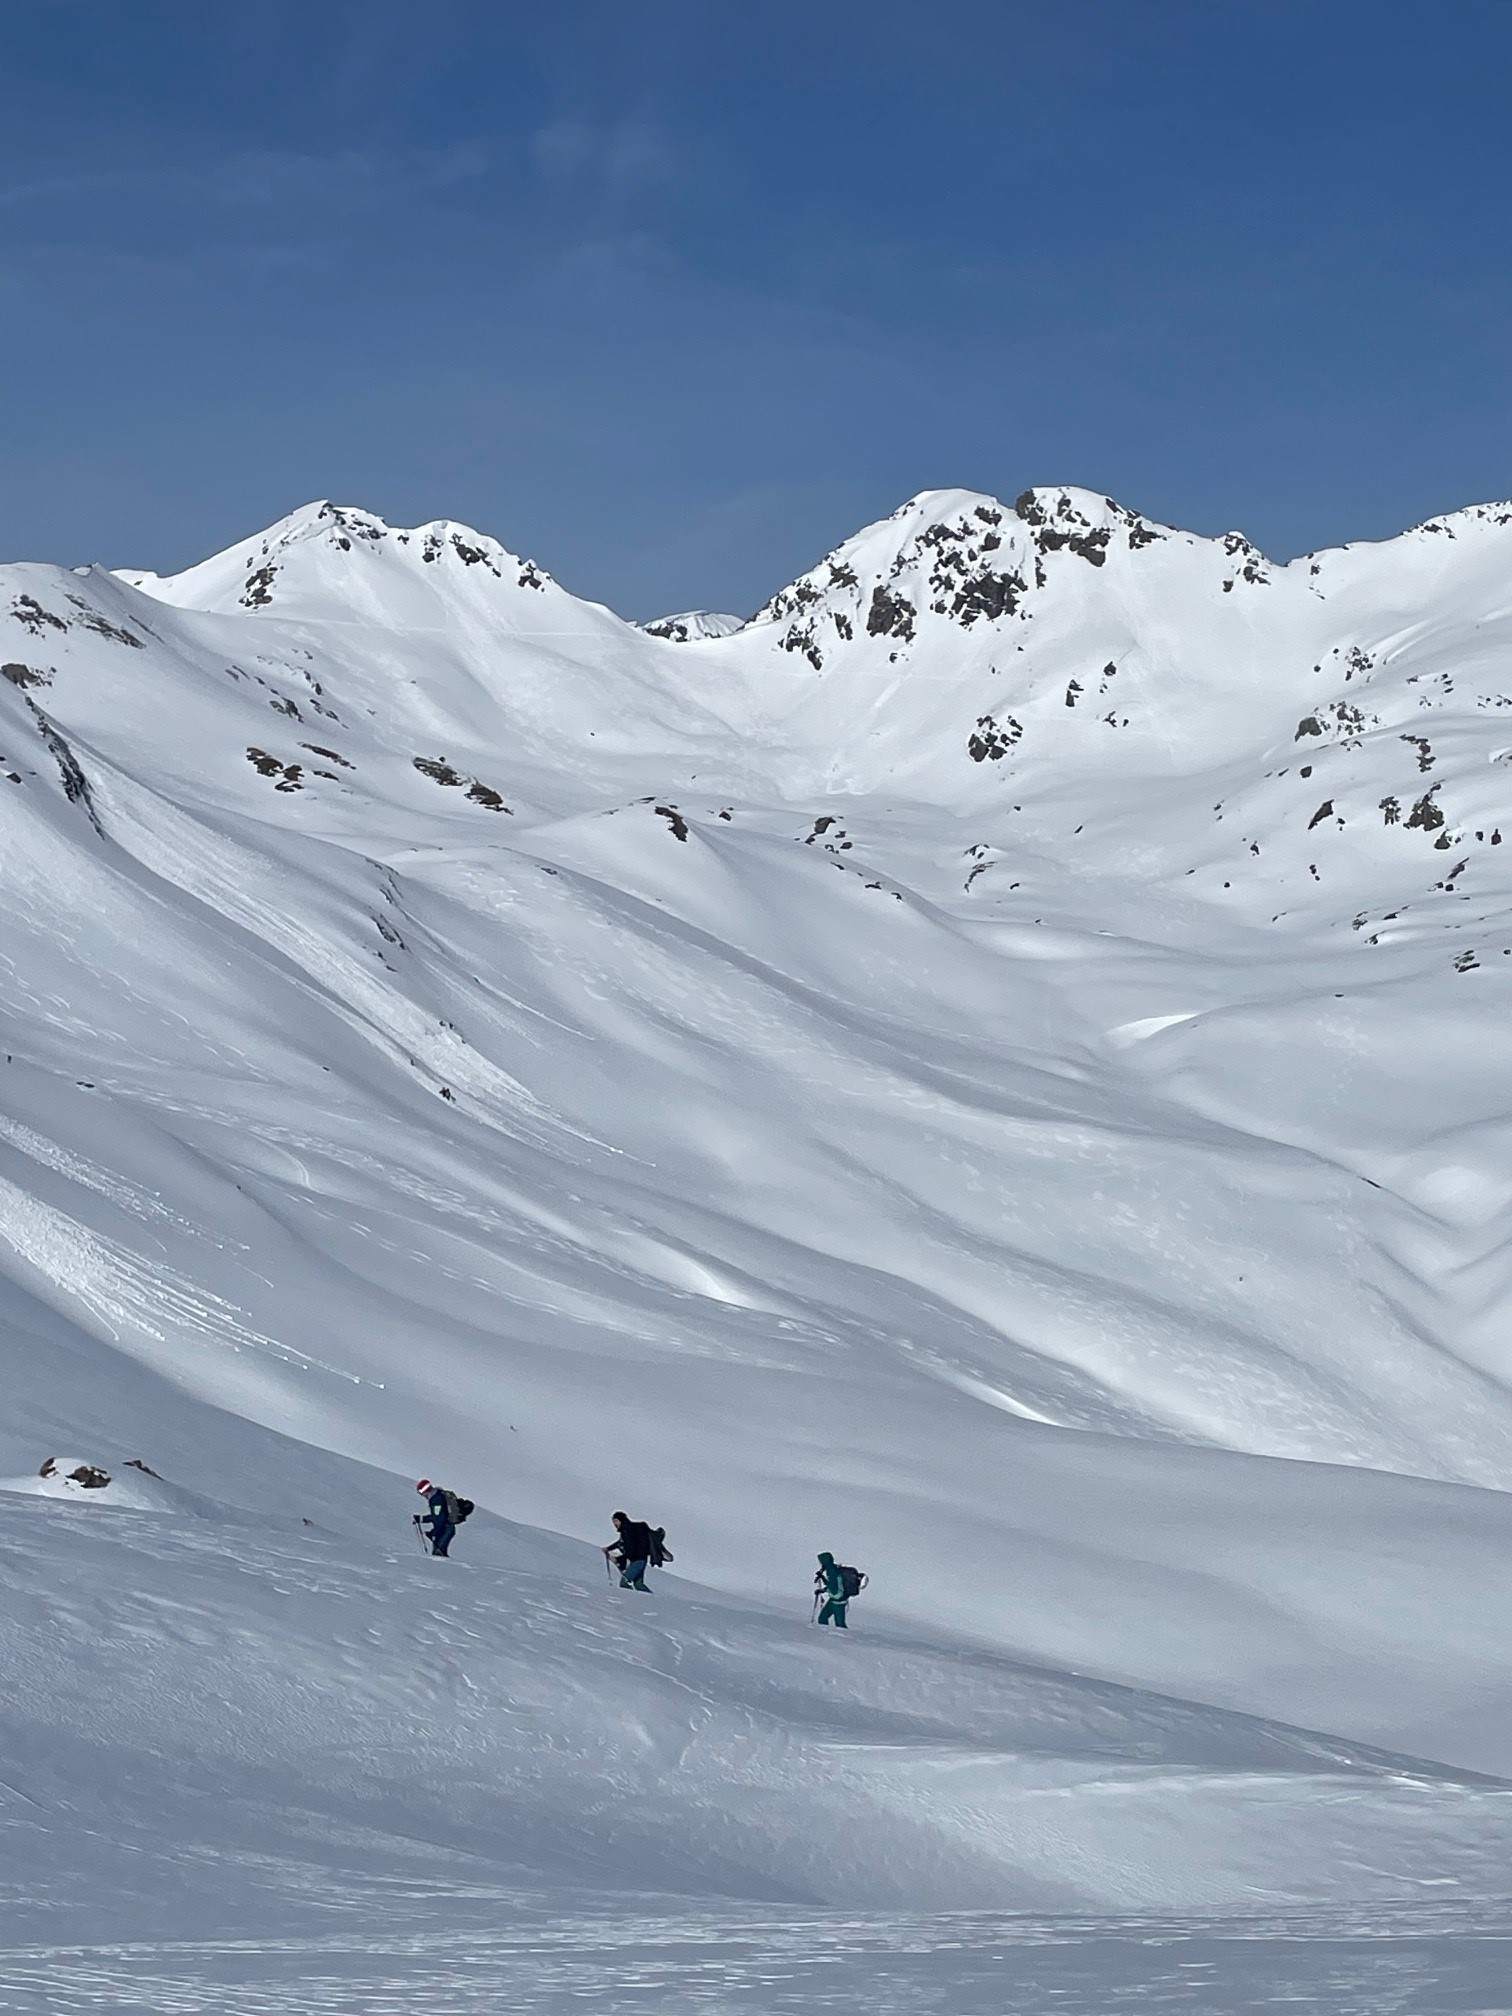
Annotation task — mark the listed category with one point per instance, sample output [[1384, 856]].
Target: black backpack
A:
[[660, 1553], [459, 1508], [852, 1581]]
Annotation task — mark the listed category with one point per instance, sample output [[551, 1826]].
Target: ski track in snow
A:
[[655, 1963], [1001, 1065]]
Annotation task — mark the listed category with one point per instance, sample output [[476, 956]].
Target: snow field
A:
[[998, 1066]]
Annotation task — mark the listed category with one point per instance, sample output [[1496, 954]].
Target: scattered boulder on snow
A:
[[88, 1476], [442, 772]]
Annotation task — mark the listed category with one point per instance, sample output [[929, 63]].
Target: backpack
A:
[[852, 1581], [458, 1509], [661, 1554]]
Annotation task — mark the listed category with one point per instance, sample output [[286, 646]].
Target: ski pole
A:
[[415, 1522]]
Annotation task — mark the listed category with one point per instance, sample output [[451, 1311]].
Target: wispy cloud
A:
[[614, 158], [349, 182]]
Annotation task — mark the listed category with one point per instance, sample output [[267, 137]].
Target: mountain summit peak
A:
[[324, 555]]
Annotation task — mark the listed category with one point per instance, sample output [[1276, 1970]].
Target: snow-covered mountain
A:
[[999, 1065], [694, 624]]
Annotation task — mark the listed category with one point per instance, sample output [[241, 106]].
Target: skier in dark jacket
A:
[[630, 1550], [436, 1522], [831, 1584]]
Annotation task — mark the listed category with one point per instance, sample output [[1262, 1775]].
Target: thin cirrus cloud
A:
[[617, 158], [351, 181]]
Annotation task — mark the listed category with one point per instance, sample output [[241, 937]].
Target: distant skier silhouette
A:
[[837, 1584], [444, 1513], [635, 1547]]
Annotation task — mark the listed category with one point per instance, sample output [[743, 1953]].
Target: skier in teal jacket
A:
[[829, 1582]]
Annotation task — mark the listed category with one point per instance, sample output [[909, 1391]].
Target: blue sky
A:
[[674, 295]]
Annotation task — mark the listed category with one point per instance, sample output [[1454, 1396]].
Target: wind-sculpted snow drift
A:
[[969, 1067]]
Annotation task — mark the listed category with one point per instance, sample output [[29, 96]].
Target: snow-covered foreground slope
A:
[[999, 1066], [268, 1765]]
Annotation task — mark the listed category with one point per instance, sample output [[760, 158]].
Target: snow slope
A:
[[999, 1066], [286, 1729]]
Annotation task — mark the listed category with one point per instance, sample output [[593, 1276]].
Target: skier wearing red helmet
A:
[[438, 1522]]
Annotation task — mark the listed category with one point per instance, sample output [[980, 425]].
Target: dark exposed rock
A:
[[91, 619], [75, 783], [890, 615], [674, 819], [290, 776], [88, 1476], [353, 522], [829, 833], [28, 610], [1425, 815], [1351, 720], [801, 638], [1253, 569], [27, 675], [991, 740], [433, 766], [986, 594], [1068, 529], [1091, 545], [477, 792]]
